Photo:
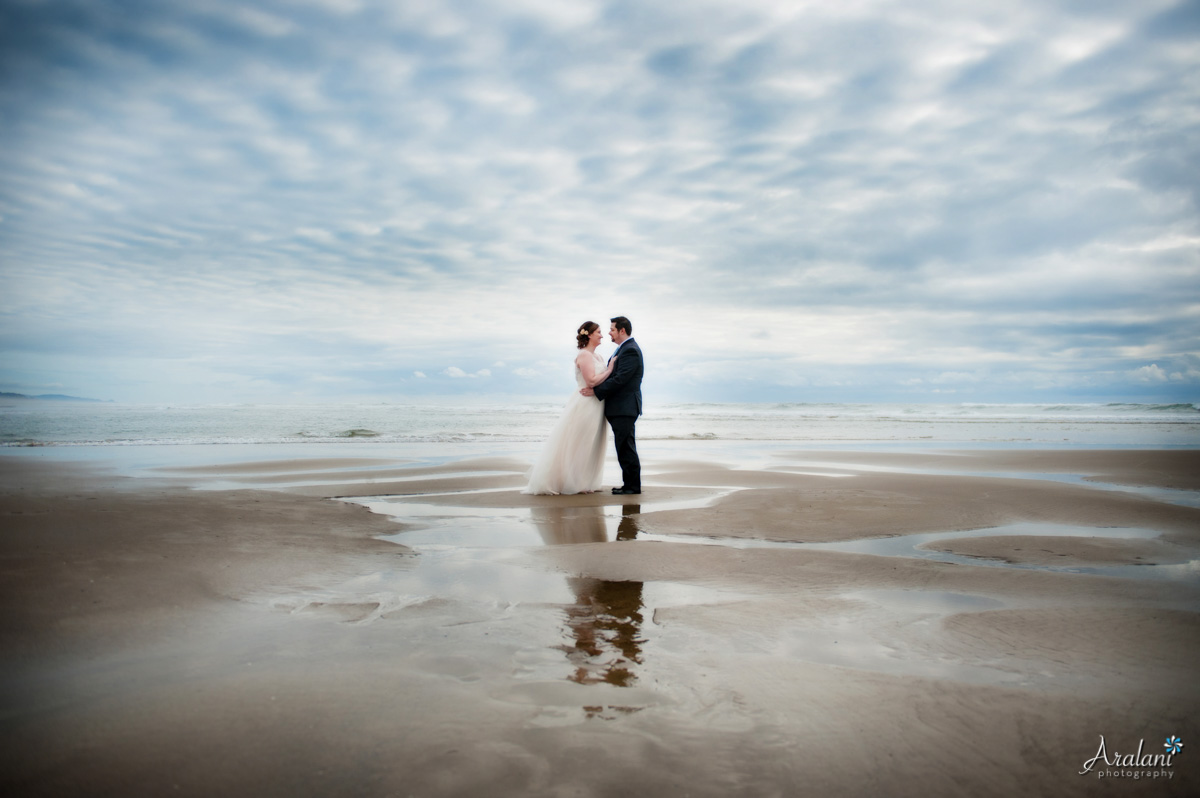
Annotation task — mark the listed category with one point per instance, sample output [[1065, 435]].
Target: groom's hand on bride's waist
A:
[[587, 392]]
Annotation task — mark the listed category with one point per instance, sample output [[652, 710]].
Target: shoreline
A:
[[233, 627]]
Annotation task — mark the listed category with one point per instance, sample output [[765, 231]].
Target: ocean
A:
[[58, 424]]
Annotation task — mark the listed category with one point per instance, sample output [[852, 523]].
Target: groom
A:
[[623, 394]]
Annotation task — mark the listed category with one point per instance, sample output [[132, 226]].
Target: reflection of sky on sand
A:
[[913, 546], [475, 556], [602, 634], [870, 637], [578, 647], [1185, 498], [475, 616]]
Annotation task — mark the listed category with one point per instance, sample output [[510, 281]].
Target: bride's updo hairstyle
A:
[[585, 331]]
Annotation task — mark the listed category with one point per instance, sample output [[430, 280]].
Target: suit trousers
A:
[[627, 456]]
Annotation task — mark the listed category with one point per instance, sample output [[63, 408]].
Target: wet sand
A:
[[706, 638]]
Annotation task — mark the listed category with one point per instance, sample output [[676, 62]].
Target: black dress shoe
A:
[[627, 491], [618, 491]]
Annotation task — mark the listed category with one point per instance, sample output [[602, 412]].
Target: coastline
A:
[[206, 627]]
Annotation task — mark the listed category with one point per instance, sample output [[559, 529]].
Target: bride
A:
[[572, 459]]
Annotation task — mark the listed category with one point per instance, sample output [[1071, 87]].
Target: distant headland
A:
[[49, 397]]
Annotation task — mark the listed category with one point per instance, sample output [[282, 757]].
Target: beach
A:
[[896, 302], [807, 620]]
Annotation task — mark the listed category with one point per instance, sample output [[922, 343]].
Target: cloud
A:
[[956, 378], [774, 193], [1151, 373], [456, 373]]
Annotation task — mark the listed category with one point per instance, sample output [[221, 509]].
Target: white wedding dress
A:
[[572, 458]]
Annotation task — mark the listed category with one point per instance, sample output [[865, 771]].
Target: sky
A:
[[347, 200]]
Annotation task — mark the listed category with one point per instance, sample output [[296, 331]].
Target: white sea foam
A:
[[56, 423]]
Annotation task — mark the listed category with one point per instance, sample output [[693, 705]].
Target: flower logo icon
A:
[[1173, 744]]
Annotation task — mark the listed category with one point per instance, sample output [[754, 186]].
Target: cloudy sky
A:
[[313, 200]]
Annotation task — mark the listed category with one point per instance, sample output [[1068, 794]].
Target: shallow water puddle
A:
[[888, 634], [331, 479], [580, 648], [1185, 498], [913, 546], [443, 526], [298, 480], [473, 569]]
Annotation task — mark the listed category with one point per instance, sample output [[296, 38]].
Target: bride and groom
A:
[[572, 459]]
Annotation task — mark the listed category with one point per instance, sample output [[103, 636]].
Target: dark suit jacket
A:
[[622, 391]]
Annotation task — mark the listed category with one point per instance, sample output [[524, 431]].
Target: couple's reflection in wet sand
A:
[[605, 622]]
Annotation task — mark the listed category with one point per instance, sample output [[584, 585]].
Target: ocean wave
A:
[[447, 437], [1181, 407], [111, 425]]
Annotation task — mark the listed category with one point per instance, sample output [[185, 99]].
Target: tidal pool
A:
[[536, 636]]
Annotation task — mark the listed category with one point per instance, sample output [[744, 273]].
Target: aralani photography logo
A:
[[1133, 766]]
